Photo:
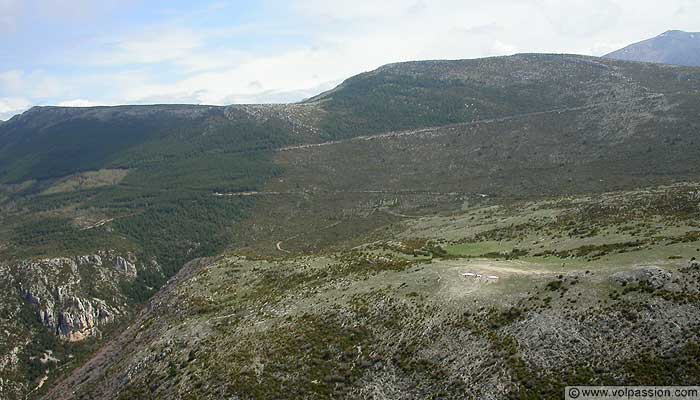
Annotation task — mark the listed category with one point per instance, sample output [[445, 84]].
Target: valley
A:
[[490, 228]]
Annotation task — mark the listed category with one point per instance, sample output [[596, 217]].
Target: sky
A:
[[108, 52]]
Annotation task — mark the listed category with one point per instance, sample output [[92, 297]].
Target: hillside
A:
[[113, 201], [491, 301], [672, 47]]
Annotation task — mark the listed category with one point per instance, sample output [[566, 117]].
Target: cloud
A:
[[260, 78], [12, 106], [580, 18], [37, 84], [279, 96], [356, 10], [78, 103], [155, 45]]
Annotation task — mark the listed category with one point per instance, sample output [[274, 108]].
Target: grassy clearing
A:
[[476, 249], [87, 180]]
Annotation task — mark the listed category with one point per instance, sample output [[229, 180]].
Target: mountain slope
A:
[[502, 301], [162, 185], [672, 47], [430, 93]]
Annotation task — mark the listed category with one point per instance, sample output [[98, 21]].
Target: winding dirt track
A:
[[279, 244], [303, 192], [279, 247]]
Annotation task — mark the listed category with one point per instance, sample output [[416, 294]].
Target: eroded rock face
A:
[[125, 266], [79, 318], [71, 317], [61, 291]]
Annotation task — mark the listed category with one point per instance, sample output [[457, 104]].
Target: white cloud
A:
[[151, 46], [78, 103], [354, 10], [279, 96], [36, 84], [12, 106]]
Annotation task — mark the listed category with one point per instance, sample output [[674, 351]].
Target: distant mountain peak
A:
[[671, 47], [674, 32]]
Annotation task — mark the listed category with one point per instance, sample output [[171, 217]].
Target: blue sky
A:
[[88, 52]]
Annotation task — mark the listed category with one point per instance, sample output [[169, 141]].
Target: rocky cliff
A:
[[59, 291], [52, 308]]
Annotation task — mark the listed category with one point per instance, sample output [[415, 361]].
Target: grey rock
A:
[[79, 318], [655, 277], [93, 259], [54, 288], [125, 266]]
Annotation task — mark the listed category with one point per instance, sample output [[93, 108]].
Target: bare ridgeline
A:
[[492, 228]]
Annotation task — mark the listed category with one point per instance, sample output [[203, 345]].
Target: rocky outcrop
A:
[[655, 277], [94, 259], [68, 316], [60, 290], [44, 308], [125, 266], [79, 318]]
